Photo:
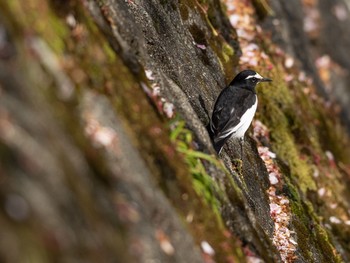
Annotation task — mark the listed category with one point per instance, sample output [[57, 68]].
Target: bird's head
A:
[[248, 79]]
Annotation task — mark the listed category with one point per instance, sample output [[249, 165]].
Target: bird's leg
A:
[[241, 141], [238, 163]]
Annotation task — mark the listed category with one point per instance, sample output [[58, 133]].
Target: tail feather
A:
[[218, 144]]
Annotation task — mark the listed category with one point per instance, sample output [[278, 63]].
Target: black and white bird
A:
[[234, 109]]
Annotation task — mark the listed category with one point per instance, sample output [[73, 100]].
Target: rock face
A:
[[104, 152]]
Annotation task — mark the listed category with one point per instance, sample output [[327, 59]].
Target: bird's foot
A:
[[237, 165]]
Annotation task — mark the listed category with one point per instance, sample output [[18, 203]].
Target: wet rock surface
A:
[[104, 152]]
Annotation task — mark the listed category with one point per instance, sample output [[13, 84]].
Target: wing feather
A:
[[225, 117]]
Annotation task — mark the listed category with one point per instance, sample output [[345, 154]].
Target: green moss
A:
[[101, 3], [277, 104], [325, 245], [49, 26], [204, 185], [290, 190], [55, 33], [227, 52], [299, 168], [263, 8], [298, 211], [308, 229], [109, 52], [223, 45], [304, 230]]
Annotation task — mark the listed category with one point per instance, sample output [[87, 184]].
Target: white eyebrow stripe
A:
[[257, 75]]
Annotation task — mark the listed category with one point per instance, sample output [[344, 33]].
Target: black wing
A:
[[225, 116]]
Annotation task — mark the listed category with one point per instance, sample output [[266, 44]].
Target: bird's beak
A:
[[265, 80]]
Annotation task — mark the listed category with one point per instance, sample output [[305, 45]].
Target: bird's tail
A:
[[218, 144]]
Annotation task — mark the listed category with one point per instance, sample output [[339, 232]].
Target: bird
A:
[[234, 109]]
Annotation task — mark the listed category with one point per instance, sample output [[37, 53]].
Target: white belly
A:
[[245, 121]]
